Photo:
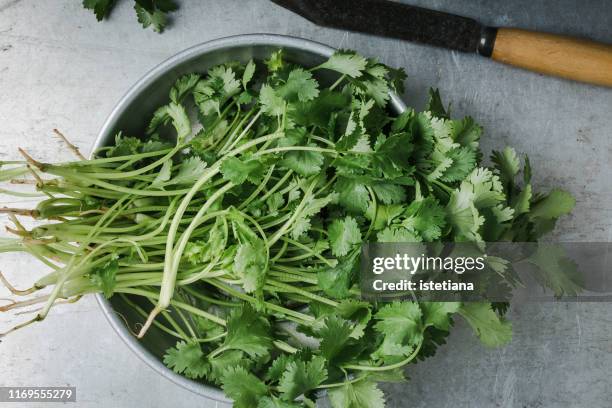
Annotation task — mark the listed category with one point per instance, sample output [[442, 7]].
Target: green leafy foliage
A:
[[401, 325], [344, 235], [357, 395], [248, 332], [492, 330], [237, 171], [300, 377], [105, 277], [101, 8], [187, 358], [241, 211], [150, 13], [347, 63], [243, 387]]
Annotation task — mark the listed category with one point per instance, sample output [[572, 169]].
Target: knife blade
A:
[[567, 57], [392, 19]]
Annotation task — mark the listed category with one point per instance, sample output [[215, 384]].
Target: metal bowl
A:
[[131, 115]]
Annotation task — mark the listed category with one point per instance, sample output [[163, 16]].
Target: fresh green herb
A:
[[150, 13], [244, 232]]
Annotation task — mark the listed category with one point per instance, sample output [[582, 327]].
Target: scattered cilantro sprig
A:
[[150, 13], [233, 226]]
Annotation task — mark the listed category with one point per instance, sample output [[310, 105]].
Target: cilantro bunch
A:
[[234, 226]]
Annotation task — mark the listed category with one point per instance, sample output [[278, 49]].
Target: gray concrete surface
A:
[[59, 68]]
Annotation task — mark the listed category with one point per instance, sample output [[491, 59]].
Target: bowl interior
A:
[[132, 115]]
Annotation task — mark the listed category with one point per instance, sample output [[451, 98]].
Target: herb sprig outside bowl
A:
[[150, 13], [240, 238]]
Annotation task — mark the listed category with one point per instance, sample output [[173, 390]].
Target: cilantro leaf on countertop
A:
[[150, 13], [492, 330], [101, 8]]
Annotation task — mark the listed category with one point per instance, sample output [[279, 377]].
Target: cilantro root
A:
[[239, 237]]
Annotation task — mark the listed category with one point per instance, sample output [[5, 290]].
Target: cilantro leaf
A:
[[437, 314], [271, 103], [466, 132], [189, 171], [435, 105], [105, 277], [276, 61], [425, 217], [556, 204], [352, 195], [555, 270], [346, 62], [183, 86], [212, 92], [397, 234], [334, 335], [101, 8], [400, 323], [344, 235], [389, 193], [490, 328], [278, 367], [463, 161], [305, 163], [229, 358], [248, 73], [355, 311], [336, 281], [238, 171], [507, 164], [357, 395], [522, 201], [172, 112], [187, 358], [311, 208], [320, 110], [251, 264], [300, 377], [247, 331], [156, 19], [300, 86], [243, 387], [164, 174]]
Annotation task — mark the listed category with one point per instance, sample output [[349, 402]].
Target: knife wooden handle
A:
[[566, 57]]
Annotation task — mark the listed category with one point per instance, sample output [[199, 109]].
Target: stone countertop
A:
[[61, 69]]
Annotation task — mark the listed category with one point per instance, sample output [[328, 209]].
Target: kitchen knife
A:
[[572, 58]]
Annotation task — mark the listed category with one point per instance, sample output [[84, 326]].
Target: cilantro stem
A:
[[295, 149], [338, 82], [280, 182], [281, 345], [342, 384], [289, 314], [387, 367], [176, 303], [295, 289]]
